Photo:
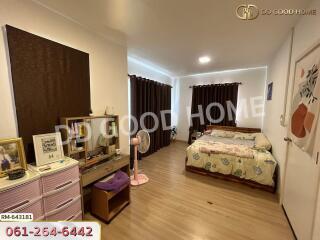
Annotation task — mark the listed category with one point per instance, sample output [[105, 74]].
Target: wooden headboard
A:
[[233, 129]]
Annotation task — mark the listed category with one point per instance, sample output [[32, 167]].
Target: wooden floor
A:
[[179, 205]]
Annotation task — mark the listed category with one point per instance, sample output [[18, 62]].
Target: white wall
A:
[[108, 61], [306, 35], [252, 90], [274, 108]]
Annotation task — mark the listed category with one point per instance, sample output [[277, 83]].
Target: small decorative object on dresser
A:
[[48, 148], [16, 173], [12, 155]]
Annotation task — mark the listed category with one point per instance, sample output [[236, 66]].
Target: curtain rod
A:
[[239, 83]]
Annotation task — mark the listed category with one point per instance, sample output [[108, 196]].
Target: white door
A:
[[300, 191], [316, 232], [302, 173]]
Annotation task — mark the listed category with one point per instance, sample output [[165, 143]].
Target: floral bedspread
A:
[[241, 161]]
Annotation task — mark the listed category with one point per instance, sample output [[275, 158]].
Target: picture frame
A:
[[305, 99], [270, 90], [48, 148], [12, 155]]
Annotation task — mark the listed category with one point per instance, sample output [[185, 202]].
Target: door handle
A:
[[287, 139], [317, 160]]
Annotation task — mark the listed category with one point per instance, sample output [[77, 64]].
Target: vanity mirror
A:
[[91, 139]]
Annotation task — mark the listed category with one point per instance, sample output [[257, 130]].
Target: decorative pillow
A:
[[244, 136], [222, 133], [262, 142]]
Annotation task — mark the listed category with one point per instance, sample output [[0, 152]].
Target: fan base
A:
[[142, 179]]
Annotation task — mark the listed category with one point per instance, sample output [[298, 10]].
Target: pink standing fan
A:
[[141, 143]]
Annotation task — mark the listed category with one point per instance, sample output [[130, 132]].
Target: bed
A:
[[236, 154]]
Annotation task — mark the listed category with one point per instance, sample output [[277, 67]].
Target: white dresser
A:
[[23, 195], [52, 194], [60, 187]]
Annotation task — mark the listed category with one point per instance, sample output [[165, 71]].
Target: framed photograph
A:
[[48, 148], [270, 89], [12, 155]]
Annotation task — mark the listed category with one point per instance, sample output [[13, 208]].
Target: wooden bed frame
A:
[[231, 177]]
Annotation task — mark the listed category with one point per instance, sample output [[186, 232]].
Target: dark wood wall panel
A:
[[50, 81]]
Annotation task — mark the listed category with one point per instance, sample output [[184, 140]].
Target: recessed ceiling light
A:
[[204, 59]]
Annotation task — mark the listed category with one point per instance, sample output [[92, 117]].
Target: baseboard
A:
[[179, 140]]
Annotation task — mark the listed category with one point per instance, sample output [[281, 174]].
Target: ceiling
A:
[[172, 34]]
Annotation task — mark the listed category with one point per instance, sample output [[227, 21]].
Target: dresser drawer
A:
[[78, 217], [61, 197], [60, 179], [20, 196], [96, 173], [36, 208], [67, 213], [121, 163]]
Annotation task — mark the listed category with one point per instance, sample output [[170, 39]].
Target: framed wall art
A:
[[48, 148], [270, 89], [306, 100]]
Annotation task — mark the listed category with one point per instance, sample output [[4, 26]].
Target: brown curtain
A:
[[50, 81], [151, 96], [203, 96]]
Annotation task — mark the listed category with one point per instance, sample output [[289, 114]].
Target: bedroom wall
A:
[[306, 34], [274, 108], [252, 90], [108, 61]]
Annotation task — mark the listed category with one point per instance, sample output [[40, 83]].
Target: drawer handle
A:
[[63, 185], [16, 206], [65, 203], [70, 218]]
